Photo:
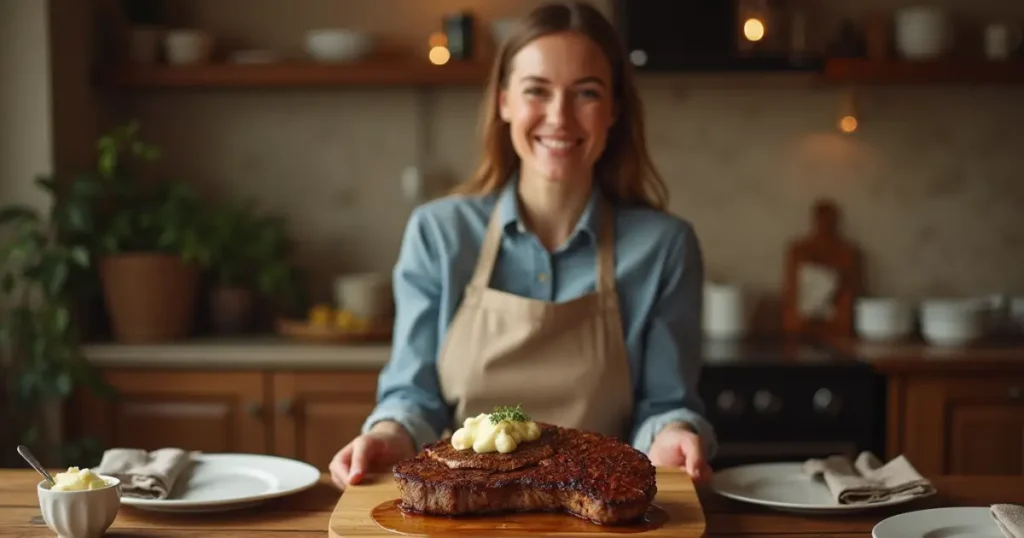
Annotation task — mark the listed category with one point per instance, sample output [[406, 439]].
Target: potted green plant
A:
[[149, 240], [249, 262], [45, 267]]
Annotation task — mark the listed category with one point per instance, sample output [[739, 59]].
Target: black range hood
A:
[[711, 36]]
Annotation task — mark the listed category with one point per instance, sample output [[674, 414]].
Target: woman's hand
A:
[[384, 445], [677, 445]]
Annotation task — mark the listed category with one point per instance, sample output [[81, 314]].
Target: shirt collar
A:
[[512, 222]]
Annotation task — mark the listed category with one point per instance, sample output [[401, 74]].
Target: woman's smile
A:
[[558, 147]]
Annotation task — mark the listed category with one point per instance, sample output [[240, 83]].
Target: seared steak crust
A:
[[525, 455], [588, 475]]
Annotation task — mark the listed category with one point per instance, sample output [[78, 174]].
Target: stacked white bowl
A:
[[338, 44], [952, 322], [883, 319]]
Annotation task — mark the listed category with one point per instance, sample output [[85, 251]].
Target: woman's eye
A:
[[534, 91], [590, 94]]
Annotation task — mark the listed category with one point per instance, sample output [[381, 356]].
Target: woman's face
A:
[[558, 104]]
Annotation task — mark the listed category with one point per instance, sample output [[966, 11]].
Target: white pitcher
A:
[[725, 311]]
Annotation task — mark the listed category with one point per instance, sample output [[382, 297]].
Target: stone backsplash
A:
[[931, 186]]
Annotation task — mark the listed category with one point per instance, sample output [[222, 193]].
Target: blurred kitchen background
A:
[[929, 184], [332, 114]]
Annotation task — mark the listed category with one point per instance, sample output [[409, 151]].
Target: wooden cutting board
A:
[[677, 512]]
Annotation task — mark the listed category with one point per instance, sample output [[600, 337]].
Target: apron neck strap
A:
[[605, 250], [489, 250]]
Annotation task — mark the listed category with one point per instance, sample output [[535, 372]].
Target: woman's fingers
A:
[[340, 466], [362, 456], [694, 461]]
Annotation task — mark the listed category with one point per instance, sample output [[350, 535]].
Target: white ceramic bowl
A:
[[921, 32], [1016, 313], [952, 322], [338, 44], [188, 47], [367, 295], [882, 319], [80, 514]]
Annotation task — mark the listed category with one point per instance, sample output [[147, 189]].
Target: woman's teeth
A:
[[556, 143]]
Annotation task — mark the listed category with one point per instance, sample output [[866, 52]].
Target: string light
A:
[[848, 121], [439, 53], [753, 29]]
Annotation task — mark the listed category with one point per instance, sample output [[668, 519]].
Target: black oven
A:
[[791, 407]]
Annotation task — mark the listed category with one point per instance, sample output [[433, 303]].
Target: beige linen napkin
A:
[[866, 480], [1010, 519], [143, 474]]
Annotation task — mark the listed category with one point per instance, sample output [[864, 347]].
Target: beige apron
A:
[[566, 363]]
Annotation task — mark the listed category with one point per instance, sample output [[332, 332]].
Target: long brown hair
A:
[[624, 172]]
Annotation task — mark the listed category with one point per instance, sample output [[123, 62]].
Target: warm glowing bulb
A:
[[753, 29], [439, 55], [848, 124], [438, 39]]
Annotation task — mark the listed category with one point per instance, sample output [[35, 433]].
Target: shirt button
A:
[[543, 277]]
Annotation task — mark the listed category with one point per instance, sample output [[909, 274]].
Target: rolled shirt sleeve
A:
[[408, 391], [671, 367]]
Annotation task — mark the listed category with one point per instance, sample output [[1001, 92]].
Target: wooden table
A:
[[307, 513]]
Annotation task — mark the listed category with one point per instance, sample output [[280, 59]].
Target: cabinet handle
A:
[[254, 409], [1015, 393], [285, 406]]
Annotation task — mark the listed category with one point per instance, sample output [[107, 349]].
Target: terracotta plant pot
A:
[[231, 309], [149, 297]]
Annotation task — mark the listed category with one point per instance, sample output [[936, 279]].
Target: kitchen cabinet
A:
[[957, 422], [307, 415]]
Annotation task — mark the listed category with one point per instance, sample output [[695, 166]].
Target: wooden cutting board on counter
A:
[[676, 512], [822, 255]]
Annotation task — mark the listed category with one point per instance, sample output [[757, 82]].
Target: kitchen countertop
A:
[[308, 513], [921, 358], [249, 352], [276, 352]]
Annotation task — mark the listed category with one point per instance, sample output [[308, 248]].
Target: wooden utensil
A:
[[824, 250], [368, 510]]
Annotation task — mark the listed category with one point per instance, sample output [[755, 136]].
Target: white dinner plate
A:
[[959, 522], [218, 482], [784, 487]]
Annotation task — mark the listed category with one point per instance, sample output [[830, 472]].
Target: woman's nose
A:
[[559, 111]]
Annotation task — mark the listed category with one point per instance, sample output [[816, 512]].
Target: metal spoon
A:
[[27, 454]]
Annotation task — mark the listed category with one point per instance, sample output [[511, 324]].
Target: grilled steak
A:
[[588, 475], [525, 455]]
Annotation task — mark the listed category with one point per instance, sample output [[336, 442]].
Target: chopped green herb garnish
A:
[[509, 414]]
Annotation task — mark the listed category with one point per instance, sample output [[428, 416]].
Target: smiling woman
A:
[[553, 278], [567, 59]]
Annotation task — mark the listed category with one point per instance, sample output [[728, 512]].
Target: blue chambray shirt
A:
[[659, 280]]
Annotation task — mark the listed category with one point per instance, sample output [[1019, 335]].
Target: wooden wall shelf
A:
[[896, 72], [402, 72], [296, 74]]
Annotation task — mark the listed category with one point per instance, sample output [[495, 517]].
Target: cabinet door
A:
[[318, 413], [192, 409], [966, 425]]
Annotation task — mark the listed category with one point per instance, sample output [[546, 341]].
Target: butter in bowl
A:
[[81, 504]]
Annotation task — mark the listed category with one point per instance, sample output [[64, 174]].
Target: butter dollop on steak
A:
[[525, 455], [587, 474]]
